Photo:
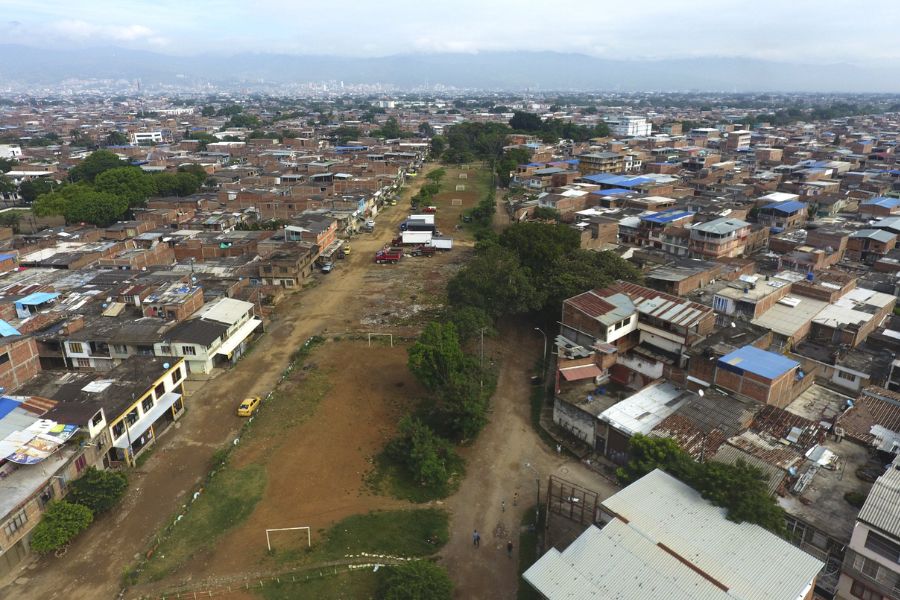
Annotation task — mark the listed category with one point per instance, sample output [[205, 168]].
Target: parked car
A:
[[327, 268], [248, 406], [429, 210]]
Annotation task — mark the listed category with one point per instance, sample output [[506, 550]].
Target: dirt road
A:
[[95, 562], [496, 470]]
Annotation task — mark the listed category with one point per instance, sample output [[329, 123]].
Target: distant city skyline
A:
[[799, 31]]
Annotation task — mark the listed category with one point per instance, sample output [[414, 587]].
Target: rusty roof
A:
[[875, 406]]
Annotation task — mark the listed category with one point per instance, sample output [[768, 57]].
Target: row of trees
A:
[[529, 269], [102, 188], [553, 130], [93, 494], [739, 488], [427, 192]]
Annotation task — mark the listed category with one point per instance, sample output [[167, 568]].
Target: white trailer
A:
[[442, 243], [416, 237], [429, 219]]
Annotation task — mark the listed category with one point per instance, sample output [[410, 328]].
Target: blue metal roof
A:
[[7, 330], [751, 359], [667, 216], [37, 298], [883, 201], [786, 207], [622, 181], [7, 256]]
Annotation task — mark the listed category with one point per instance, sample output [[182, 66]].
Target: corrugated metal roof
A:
[[882, 507], [618, 563], [752, 562]]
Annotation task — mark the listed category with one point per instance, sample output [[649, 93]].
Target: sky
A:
[[820, 32]]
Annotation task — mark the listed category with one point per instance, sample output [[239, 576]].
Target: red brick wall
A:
[[23, 364]]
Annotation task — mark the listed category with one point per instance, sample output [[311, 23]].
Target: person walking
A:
[[503, 506], [476, 538], [509, 547], [516, 499]]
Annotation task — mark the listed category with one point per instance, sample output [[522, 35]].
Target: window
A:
[[46, 496], [81, 463], [4, 358], [188, 350], [869, 568], [118, 429], [846, 375], [883, 546], [160, 389], [165, 350], [119, 349], [76, 347], [132, 417], [83, 362], [15, 523], [860, 591], [147, 403], [98, 418]]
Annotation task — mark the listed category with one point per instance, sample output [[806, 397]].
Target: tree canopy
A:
[[61, 522], [436, 356], [98, 162], [81, 203], [99, 490], [128, 183], [422, 452], [416, 580], [552, 130]]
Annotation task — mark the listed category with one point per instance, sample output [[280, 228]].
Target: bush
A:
[[99, 490], [61, 522], [425, 455], [418, 580]]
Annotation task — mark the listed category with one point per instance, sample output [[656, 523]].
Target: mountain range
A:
[[485, 71]]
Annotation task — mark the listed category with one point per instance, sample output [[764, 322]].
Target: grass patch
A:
[[392, 478], [402, 533], [349, 585], [528, 549], [227, 501]]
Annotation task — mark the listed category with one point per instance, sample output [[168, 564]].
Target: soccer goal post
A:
[[269, 531]]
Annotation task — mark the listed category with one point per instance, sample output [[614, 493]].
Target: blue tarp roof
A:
[[611, 192], [37, 298], [786, 207], [751, 359], [882, 201], [7, 256], [622, 181], [667, 216], [7, 330], [7, 405]]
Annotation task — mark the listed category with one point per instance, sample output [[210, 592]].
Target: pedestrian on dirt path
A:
[[503, 506], [509, 548], [516, 499], [476, 539]]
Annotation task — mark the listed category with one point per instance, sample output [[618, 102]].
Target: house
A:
[[871, 566], [870, 245], [880, 206], [40, 456], [758, 374], [719, 238], [652, 226], [123, 410], [592, 163], [660, 540], [217, 335], [289, 266], [683, 276], [783, 216]]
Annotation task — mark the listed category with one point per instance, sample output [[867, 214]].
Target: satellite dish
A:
[[733, 324], [165, 365], [700, 392]]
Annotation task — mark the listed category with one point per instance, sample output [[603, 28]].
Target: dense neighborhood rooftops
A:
[[882, 507]]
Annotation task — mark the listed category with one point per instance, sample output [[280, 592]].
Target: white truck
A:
[[442, 243]]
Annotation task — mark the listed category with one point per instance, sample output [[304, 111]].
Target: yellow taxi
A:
[[346, 248], [248, 407]]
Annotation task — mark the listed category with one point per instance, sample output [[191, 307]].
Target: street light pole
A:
[[537, 506], [544, 355]]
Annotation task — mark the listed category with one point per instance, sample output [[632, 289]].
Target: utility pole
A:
[[544, 355]]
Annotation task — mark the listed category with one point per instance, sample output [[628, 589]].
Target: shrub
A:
[[99, 490], [61, 522]]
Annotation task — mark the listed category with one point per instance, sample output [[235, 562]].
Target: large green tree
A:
[[61, 522], [116, 138], [30, 190], [129, 183], [495, 282], [540, 246], [436, 357], [416, 580], [424, 454], [81, 203], [99, 490], [175, 184], [95, 164]]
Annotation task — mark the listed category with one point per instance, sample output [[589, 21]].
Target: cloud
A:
[[82, 31]]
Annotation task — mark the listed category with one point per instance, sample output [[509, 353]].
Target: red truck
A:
[[389, 255]]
